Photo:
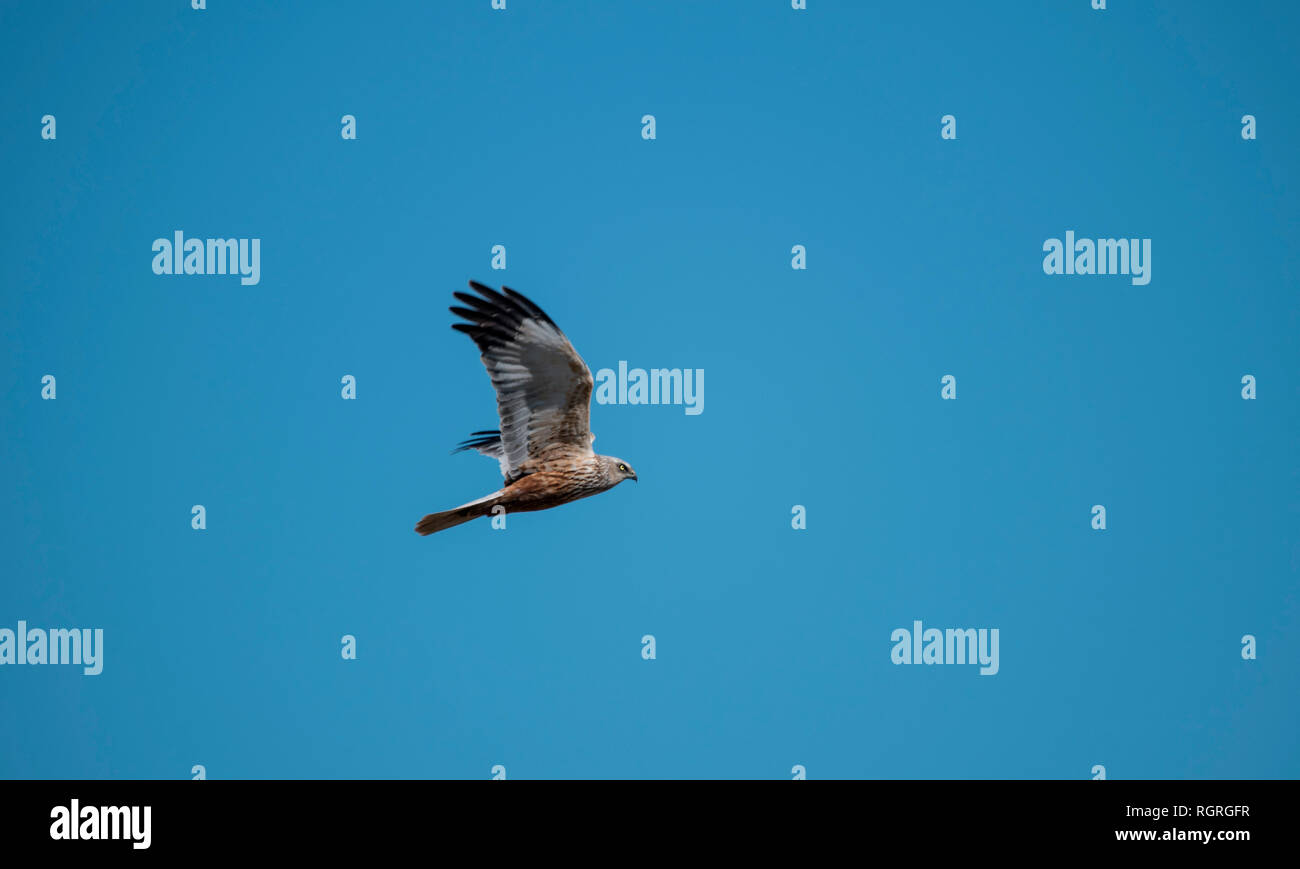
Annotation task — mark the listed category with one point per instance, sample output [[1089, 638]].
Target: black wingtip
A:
[[527, 304], [476, 440], [505, 302], [488, 293]]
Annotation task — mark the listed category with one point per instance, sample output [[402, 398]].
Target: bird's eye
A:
[[622, 468]]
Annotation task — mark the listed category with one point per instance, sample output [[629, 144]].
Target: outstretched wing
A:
[[543, 387]]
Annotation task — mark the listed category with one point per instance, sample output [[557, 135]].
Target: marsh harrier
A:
[[543, 399]]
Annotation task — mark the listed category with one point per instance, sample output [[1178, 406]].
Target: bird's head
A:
[[617, 470]]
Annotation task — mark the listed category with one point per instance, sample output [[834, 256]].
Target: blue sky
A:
[[774, 128]]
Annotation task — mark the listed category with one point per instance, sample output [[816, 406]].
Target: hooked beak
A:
[[634, 476]]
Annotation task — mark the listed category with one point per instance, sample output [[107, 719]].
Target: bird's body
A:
[[552, 487], [543, 398]]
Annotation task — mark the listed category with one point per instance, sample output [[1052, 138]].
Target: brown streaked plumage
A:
[[543, 399]]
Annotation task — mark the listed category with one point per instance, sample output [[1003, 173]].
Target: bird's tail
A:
[[457, 516]]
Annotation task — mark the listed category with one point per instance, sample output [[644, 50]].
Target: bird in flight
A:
[[543, 399]]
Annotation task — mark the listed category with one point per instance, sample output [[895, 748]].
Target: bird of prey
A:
[[543, 399]]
